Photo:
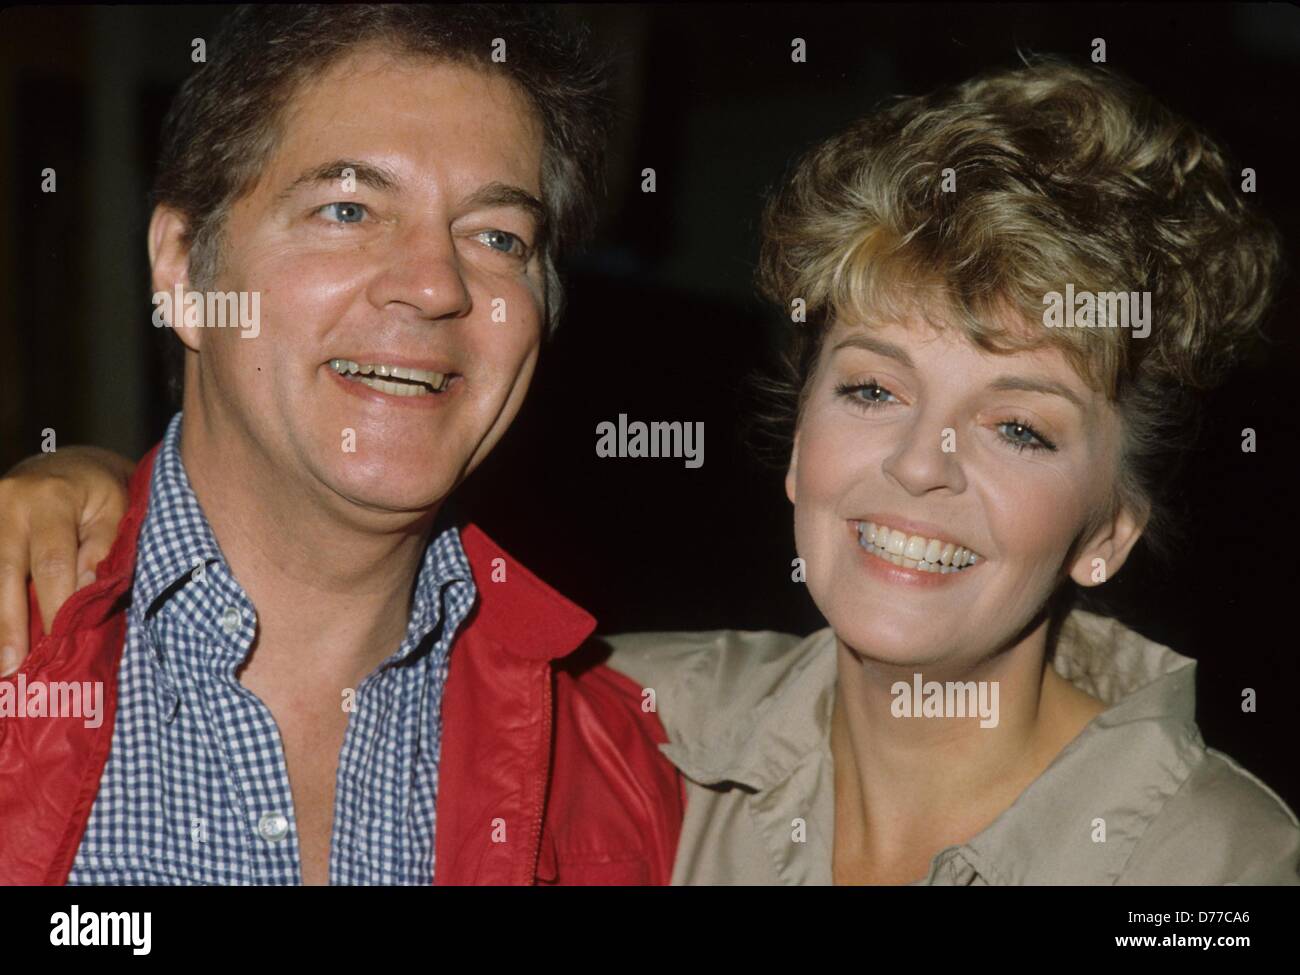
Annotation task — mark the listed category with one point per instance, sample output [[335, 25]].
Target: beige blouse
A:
[[748, 719]]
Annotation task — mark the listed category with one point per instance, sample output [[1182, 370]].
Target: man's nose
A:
[[423, 270]]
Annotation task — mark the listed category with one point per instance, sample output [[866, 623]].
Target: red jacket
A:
[[549, 770]]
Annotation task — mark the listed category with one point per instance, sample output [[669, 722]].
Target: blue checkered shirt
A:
[[196, 790]]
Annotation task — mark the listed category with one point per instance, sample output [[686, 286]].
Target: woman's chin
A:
[[887, 647]]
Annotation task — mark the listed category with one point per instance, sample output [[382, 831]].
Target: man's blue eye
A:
[[346, 211], [503, 237]]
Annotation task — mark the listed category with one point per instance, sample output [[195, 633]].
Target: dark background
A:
[[662, 323]]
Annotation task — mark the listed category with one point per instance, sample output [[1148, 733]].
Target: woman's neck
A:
[[906, 787]]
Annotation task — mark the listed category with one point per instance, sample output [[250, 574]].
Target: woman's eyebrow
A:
[[1033, 384], [1029, 384], [879, 346], [366, 174]]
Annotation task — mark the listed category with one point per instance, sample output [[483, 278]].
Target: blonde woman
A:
[[959, 471], [974, 442]]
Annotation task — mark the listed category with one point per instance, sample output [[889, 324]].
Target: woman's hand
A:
[[58, 517]]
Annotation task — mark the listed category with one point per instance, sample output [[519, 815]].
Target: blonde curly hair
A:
[[1055, 175]]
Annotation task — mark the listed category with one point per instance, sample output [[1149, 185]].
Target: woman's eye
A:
[[854, 392], [1024, 437], [503, 241], [344, 212]]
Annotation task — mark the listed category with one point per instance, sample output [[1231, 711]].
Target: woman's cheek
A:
[[1031, 517], [826, 475], [830, 456]]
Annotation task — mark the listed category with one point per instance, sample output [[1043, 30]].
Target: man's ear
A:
[[1108, 548], [169, 260], [791, 473]]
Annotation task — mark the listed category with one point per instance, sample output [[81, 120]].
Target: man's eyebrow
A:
[[366, 174], [498, 194], [1029, 384]]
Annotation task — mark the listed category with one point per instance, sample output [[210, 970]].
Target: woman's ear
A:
[[169, 260], [791, 473], [1108, 548]]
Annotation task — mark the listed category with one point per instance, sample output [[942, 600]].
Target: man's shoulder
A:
[[1223, 825], [616, 802], [587, 686]]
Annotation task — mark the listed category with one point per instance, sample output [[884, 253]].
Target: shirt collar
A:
[[444, 564], [176, 539], [760, 744], [1084, 815], [530, 619]]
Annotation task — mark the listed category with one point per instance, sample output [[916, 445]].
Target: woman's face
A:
[[1011, 457]]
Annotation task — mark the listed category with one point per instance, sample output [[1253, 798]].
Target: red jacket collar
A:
[[515, 609]]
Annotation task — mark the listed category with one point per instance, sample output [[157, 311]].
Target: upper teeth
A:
[[914, 551], [346, 367]]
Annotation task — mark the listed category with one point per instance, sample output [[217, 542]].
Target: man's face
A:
[[1012, 457], [425, 260]]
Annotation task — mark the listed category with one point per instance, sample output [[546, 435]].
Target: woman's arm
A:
[[58, 517]]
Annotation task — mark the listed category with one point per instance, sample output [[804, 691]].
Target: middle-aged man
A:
[[310, 673]]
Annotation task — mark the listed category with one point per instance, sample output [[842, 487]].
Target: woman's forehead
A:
[[919, 336]]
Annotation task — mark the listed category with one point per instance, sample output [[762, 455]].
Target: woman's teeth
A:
[[914, 551], [398, 381]]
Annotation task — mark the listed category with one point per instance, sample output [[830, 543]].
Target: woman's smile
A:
[[914, 560]]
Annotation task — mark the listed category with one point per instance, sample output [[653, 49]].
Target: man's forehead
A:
[[374, 103], [378, 59]]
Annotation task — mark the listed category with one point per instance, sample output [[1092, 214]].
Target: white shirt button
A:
[[230, 620], [273, 826]]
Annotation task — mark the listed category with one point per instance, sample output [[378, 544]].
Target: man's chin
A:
[[393, 492]]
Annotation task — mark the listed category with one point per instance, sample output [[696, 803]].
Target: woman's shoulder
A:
[[669, 651], [713, 676], [1197, 816], [1223, 825]]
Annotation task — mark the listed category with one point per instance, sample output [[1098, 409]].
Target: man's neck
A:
[[332, 593]]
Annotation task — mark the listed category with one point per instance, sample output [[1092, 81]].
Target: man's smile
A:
[[393, 380]]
